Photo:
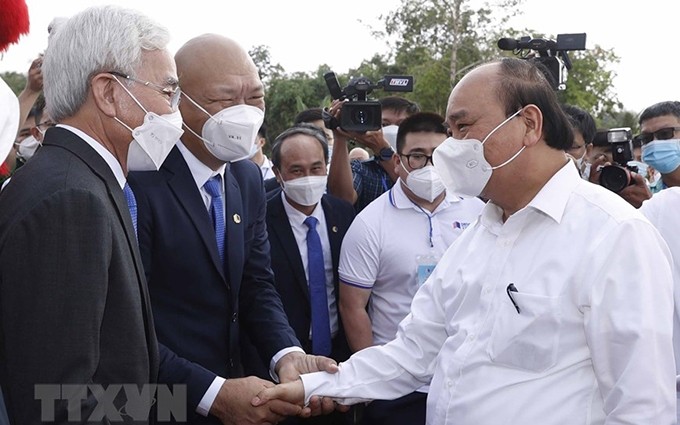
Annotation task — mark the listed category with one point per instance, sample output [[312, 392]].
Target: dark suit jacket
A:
[[199, 304], [74, 306], [290, 277]]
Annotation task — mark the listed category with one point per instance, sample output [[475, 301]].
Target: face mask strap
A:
[[198, 106], [133, 98], [509, 160], [501, 125]]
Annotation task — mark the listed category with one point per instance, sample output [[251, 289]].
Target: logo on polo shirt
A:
[[459, 225]]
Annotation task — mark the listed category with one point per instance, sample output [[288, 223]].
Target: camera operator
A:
[[360, 182], [601, 156]]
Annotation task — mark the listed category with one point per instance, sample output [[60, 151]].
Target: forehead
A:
[[653, 124], [475, 94], [393, 117], [422, 140], [157, 66], [301, 147]]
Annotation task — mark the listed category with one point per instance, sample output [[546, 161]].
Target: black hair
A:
[[301, 128], [262, 132], [581, 121], [660, 109], [309, 115], [522, 83], [399, 104], [420, 122]]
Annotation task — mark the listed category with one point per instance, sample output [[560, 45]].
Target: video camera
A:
[[551, 54], [361, 114], [617, 177]]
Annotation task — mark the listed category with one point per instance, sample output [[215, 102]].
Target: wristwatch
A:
[[385, 154]]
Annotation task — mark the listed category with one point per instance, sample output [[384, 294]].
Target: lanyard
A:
[[429, 217]]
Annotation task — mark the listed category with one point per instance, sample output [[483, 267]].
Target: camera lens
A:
[[614, 178]]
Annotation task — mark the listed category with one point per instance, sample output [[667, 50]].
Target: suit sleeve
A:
[[262, 313], [54, 284]]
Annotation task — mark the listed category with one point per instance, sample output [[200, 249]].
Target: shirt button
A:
[[234, 317], [450, 384], [472, 337]]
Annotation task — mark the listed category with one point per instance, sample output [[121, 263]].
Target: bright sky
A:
[[302, 34]]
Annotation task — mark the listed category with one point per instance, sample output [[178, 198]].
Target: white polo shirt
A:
[[389, 241]]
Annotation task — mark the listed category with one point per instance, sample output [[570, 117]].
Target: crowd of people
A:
[[462, 269]]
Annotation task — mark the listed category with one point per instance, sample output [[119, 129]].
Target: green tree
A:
[[15, 80], [265, 67]]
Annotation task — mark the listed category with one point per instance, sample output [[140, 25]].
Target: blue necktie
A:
[[132, 205], [214, 189], [321, 328]]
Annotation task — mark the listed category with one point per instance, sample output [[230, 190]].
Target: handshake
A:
[[252, 400]]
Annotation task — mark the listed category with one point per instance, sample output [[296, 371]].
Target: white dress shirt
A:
[[591, 344], [297, 224], [662, 211]]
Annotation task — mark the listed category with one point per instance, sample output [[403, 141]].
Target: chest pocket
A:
[[527, 340]]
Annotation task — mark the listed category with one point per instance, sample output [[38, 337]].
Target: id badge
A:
[[425, 265]]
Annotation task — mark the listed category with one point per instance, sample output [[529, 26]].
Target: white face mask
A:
[[462, 165], [579, 161], [27, 148], [305, 191], [390, 134], [424, 182], [230, 134], [153, 140]]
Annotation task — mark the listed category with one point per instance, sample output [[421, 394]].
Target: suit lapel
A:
[[235, 225], [71, 142], [334, 236], [183, 186], [283, 236]]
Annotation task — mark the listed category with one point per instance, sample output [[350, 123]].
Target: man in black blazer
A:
[[299, 156], [74, 307], [209, 285]]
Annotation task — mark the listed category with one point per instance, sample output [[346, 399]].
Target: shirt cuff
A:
[[277, 357], [208, 399]]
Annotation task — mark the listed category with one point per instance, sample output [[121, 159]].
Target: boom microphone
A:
[[507, 44]]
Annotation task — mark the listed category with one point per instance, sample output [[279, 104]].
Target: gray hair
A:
[[98, 39]]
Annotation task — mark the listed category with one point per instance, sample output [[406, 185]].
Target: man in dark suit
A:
[[203, 240], [300, 155], [74, 307]]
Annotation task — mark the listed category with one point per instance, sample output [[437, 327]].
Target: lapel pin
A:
[[334, 229], [237, 218]]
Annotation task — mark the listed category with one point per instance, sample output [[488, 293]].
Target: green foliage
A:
[[437, 42], [16, 81]]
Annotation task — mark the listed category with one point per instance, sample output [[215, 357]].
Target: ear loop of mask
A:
[[204, 111], [133, 98], [494, 130]]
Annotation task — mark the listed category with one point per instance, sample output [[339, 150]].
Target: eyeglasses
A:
[[661, 134], [417, 160], [174, 94]]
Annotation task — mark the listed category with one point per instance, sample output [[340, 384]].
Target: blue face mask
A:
[[663, 155]]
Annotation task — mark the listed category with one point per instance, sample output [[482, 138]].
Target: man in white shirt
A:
[[393, 246], [555, 307], [259, 157]]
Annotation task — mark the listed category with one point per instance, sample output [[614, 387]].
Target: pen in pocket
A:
[[510, 289]]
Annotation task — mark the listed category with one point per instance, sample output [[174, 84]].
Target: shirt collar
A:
[[295, 216], [111, 160], [551, 199], [399, 200], [201, 172]]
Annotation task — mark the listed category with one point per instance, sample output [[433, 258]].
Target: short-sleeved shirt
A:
[[385, 243], [370, 181]]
